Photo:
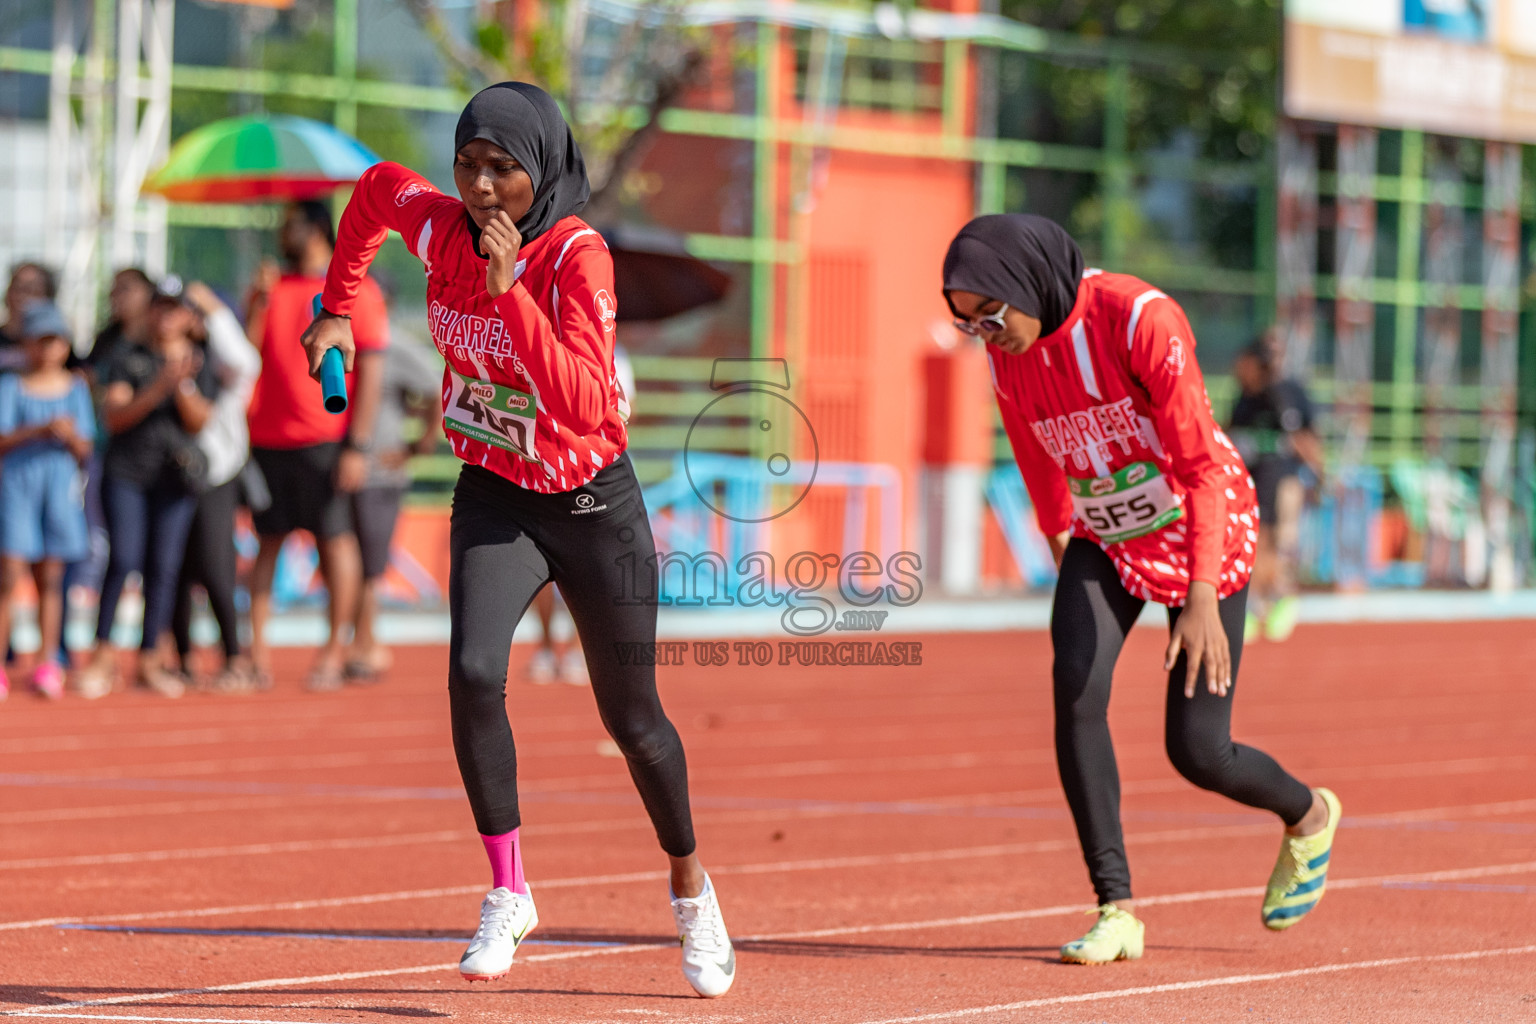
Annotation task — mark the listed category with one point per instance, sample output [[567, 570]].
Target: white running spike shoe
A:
[[506, 918], [543, 667], [709, 962]]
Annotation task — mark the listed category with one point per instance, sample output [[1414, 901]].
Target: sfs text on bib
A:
[[1133, 502]]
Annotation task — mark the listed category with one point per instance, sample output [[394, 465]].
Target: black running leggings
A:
[[1089, 620], [506, 544], [210, 562]]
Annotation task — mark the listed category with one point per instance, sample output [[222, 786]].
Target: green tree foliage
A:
[[1229, 103], [1219, 104], [612, 77], [1190, 89]]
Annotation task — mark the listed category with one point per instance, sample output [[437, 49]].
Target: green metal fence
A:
[[1105, 135]]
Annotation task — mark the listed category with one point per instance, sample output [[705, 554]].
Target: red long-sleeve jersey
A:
[[1113, 431], [529, 391]]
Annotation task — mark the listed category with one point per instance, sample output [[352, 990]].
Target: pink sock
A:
[[506, 854]]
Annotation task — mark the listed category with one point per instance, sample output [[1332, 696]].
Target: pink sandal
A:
[[48, 680]]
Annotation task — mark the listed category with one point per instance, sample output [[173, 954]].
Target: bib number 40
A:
[[492, 414]]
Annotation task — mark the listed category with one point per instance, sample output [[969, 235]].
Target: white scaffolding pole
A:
[[61, 124], [75, 159], [142, 135]]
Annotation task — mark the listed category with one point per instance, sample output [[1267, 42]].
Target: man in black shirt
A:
[[1272, 426]]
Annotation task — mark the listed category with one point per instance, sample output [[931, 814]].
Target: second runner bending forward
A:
[[1143, 499], [520, 298]]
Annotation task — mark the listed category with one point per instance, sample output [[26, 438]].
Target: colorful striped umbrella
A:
[[262, 157]]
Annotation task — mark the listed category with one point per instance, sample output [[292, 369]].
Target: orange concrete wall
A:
[[875, 243]]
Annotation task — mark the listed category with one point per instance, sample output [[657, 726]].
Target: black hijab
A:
[[525, 121], [1029, 262]]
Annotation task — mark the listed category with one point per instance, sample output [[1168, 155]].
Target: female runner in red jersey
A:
[[1143, 498], [520, 302]]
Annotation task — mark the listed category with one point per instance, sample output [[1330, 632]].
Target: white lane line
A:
[[278, 762], [1189, 897], [446, 836], [251, 908], [177, 1020], [315, 979], [879, 765], [618, 782], [311, 845], [116, 741], [125, 733], [1424, 769], [1448, 875], [1199, 896], [1227, 980], [239, 986], [248, 850], [1487, 810], [771, 867], [129, 810], [1020, 797], [819, 864]]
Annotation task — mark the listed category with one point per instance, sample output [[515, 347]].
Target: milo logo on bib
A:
[[1130, 503]]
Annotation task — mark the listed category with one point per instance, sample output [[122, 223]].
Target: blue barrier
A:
[[1009, 501], [296, 582], [683, 523]]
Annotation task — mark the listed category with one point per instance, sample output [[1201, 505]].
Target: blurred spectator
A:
[[127, 316], [566, 662], [225, 441], [156, 399], [411, 388], [127, 319], [47, 429], [29, 283], [1272, 427], [312, 461]]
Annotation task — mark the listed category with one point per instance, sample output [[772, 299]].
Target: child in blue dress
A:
[[46, 427]]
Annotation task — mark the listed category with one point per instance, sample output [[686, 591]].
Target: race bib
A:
[[1132, 503], [492, 414]]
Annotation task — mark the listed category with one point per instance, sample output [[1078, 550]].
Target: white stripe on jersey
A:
[[1149, 435], [992, 369], [1084, 363], [422, 241], [1141, 300], [567, 247]]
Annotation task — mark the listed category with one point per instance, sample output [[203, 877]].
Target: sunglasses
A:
[[989, 324]]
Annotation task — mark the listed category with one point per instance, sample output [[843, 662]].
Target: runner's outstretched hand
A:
[[500, 241], [1200, 635], [327, 331]]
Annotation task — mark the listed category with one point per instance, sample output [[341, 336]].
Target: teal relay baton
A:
[[333, 376]]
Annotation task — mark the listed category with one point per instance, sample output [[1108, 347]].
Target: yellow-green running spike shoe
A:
[[1281, 621], [1301, 874], [1116, 935]]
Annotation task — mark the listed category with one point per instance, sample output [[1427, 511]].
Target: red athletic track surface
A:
[[890, 844]]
